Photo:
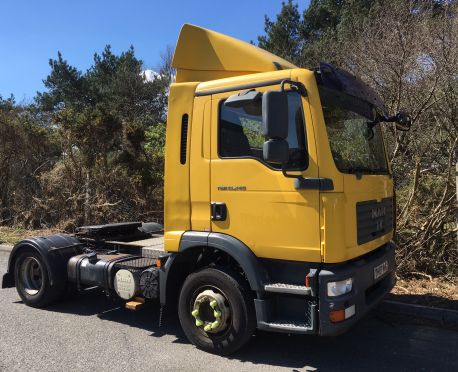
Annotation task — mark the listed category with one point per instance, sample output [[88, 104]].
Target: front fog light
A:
[[339, 288]]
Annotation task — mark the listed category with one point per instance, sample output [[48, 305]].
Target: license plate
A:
[[380, 270]]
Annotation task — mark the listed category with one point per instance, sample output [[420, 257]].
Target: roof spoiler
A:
[[203, 55]]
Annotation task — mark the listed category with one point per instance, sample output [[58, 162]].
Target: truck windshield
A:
[[353, 148]]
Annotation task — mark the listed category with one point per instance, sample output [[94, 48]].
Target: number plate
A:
[[380, 270]]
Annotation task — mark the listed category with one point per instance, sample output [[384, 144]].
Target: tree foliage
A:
[[98, 124], [283, 36], [26, 150]]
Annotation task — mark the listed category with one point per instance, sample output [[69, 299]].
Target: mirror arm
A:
[[398, 119], [283, 170], [296, 85], [389, 119]]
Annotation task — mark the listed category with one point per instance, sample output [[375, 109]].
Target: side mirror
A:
[[275, 127], [276, 151], [275, 115], [403, 121]]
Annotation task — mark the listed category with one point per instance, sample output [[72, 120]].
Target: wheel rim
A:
[[31, 276], [210, 310]]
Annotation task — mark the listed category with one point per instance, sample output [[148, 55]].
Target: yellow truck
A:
[[279, 205]]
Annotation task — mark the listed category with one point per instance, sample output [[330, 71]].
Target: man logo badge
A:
[[378, 212]]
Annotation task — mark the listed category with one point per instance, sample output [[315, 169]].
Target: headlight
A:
[[339, 288]]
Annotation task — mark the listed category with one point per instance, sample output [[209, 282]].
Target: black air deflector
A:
[[184, 138], [332, 77]]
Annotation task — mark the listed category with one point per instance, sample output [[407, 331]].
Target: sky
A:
[[32, 31]]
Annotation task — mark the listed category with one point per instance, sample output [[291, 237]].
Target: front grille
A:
[[374, 219]]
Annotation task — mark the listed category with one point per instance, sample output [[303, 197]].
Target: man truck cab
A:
[[278, 204]]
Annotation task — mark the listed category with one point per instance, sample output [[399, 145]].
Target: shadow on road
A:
[[426, 299], [94, 302], [379, 342]]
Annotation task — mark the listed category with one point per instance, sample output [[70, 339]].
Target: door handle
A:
[[218, 211], [322, 184]]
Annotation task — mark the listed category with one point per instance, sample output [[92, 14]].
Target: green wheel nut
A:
[[213, 303], [208, 327]]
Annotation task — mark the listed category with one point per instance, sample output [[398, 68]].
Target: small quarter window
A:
[[240, 132]]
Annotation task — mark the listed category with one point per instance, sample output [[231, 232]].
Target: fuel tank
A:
[[126, 274], [94, 269]]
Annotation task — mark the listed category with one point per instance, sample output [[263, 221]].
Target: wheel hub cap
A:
[[210, 311], [31, 275]]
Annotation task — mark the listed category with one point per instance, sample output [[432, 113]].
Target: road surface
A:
[[91, 333]]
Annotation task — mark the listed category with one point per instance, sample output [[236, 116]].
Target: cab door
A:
[[251, 199]]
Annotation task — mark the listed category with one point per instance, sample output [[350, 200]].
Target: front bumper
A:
[[310, 314], [366, 292]]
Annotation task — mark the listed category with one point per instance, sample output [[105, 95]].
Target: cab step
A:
[[286, 326], [301, 290]]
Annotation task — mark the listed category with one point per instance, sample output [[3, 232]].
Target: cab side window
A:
[[240, 132]]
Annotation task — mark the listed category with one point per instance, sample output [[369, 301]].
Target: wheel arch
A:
[[193, 244], [55, 250]]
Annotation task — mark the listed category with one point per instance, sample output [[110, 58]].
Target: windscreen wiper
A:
[[362, 170]]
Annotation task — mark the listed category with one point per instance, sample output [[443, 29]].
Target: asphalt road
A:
[[91, 333]]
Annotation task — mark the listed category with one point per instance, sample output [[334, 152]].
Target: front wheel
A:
[[216, 310]]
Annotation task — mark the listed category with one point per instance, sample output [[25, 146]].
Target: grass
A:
[[432, 292], [10, 235]]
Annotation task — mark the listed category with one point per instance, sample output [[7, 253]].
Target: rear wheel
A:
[[216, 310], [32, 280]]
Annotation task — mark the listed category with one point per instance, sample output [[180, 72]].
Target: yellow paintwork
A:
[[338, 208], [338, 217], [177, 209], [202, 55], [271, 217], [200, 165]]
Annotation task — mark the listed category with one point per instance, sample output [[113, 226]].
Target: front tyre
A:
[[32, 280], [216, 310]]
